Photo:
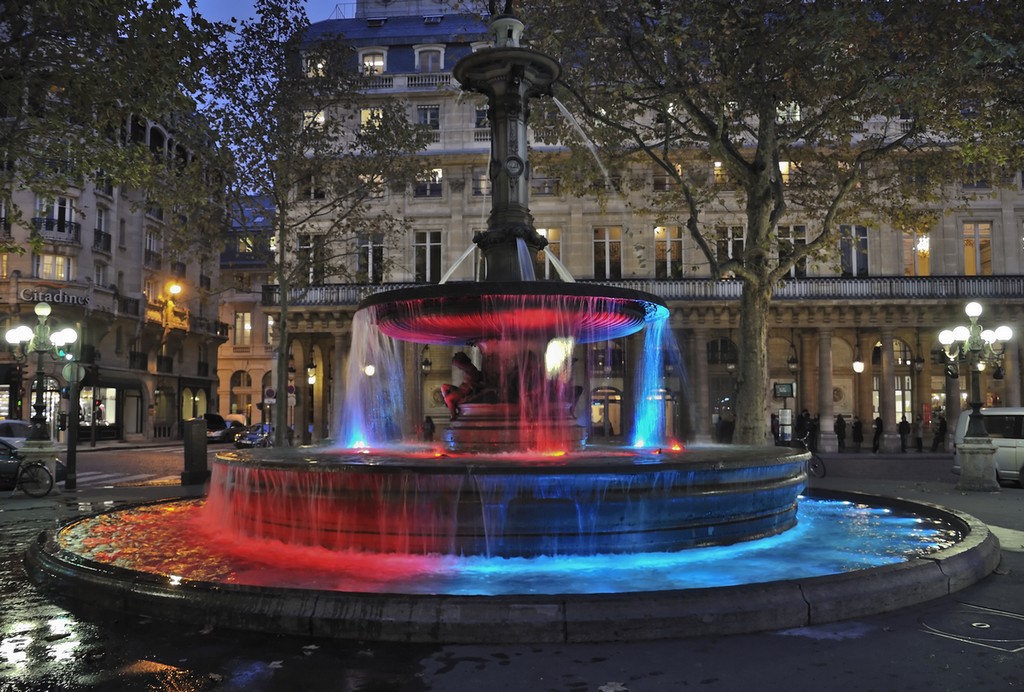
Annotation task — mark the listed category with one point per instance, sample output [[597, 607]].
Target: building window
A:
[[429, 186], [975, 177], [429, 116], [789, 113], [554, 248], [789, 171], [313, 120], [429, 60], [853, 243], [370, 118], [608, 252], [668, 252], [243, 329], [370, 268], [373, 63], [916, 254], [977, 248], [729, 243], [245, 244], [55, 267], [481, 121], [790, 238], [269, 330], [314, 66], [99, 276], [311, 189], [720, 175], [427, 256], [311, 254], [60, 210]]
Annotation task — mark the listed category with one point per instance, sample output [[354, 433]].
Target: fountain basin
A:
[[287, 606], [508, 505], [467, 313]]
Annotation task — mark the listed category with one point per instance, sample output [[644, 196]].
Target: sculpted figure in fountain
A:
[[472, 382]]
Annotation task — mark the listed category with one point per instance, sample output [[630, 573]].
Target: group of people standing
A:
[[908, 431]]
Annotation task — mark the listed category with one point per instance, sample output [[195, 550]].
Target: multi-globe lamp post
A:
[[42, 341], [978, 348]]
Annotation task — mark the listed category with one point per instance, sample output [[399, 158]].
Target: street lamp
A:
[[977, 347], [41, 341]]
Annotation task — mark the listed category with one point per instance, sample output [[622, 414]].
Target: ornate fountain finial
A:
[[505, 27]]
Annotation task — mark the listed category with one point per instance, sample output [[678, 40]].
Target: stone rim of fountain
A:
[[742, 609]]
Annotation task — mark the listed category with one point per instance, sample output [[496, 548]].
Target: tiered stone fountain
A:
[[515, 480]]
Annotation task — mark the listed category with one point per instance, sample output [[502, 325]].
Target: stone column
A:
[[696, 357], [806, 396], [826, 429], [887, 395], [1011, 363], [864, 408]]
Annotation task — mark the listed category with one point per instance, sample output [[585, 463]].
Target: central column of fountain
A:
[[509, 75]]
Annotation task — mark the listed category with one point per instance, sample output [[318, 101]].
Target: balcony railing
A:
[[407, 82], [138, 360], [883, 288], [58, 229], [101, 241]]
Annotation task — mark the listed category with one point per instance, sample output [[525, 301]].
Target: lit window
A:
[[373, 63], [370, 117], [554, 249], [608, 252], [668, 252], [313, 120], [243, 329], [55, 267], [977, 237]]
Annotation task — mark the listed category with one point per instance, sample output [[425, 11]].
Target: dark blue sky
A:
[[316, 10]]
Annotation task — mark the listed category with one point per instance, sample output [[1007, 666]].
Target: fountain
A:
[[514, 482]]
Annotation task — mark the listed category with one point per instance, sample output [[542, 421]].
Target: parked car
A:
[[219, 429], [231, 430], [10, 457], [1005, 427], [15, 431], [259, 435]]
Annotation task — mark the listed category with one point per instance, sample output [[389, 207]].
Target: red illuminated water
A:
[[176, 541]]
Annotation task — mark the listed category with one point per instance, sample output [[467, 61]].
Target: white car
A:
[[1005, 427], [15, 431]]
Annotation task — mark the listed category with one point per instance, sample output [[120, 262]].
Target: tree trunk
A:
[[752, 369]]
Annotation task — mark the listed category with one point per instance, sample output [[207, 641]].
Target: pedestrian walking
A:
[[918, 433], [876, 441]]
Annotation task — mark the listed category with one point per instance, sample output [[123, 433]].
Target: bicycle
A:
[[815, 465], [33, 479]]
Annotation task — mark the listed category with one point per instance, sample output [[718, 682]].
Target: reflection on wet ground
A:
[[44, 646]]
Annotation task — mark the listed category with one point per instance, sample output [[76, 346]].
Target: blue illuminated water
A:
[[831, 537]]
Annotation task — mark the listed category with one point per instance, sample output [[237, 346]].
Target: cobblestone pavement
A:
[[971, 640]]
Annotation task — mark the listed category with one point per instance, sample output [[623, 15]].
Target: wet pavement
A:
[[970, 640]]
